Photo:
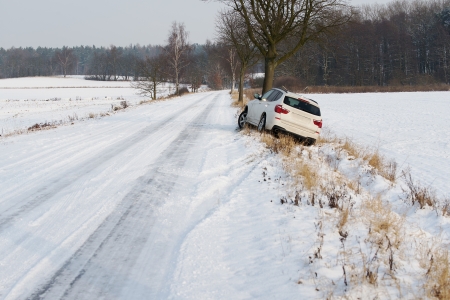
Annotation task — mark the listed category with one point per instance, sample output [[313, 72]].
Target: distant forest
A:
[[401, 43]]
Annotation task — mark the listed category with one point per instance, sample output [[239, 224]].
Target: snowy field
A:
[[27, 101], [412, 128], [59, 82], [169, 201]]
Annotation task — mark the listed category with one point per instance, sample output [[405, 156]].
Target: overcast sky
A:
[[54, 23]]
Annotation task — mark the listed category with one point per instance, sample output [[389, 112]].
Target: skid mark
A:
[[101, 265], [60, 182]]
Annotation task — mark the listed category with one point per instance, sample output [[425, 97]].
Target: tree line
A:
[[148, 66], [328, 42], [400, 43], [109, 63], [313, 42]]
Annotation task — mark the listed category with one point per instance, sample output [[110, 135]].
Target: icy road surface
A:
[[100, 208]]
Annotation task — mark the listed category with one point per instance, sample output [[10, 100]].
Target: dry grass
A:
[[248, 95], [417, 193], [379, 164], [92, 115], [385, 226], [438, 275], [375, 160], [352, 149], [250, 92], [300, 170], [343, 218], [40, 126], [326, 137], [380, 216], [373, 89], [236, 103], [354, 185], [284, 144], [386, 236], [303, 171]]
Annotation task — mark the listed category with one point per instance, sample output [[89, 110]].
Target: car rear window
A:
[[302, 105]]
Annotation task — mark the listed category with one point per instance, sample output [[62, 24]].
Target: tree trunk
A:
[[233, 82], [177, 91], [154, 89], [241, 83], [269, 73]]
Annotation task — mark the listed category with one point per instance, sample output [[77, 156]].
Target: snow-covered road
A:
[[167, 201], [100, 208]]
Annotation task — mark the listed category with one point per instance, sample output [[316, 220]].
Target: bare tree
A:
[[269, 22], [114, 57], [233, 63], [151, 75], [195, 71], [231, 30], [65, 59], [177, 51]]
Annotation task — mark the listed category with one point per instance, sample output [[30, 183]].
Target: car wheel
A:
[[262, 123], [242, 119]]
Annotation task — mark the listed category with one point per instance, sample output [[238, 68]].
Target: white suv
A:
[[283, 111]]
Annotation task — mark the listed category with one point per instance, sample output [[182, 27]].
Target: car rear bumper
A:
[[281, 126], [311, 140]]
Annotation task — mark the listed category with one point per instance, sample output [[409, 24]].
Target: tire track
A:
[[58, 182], [105, 259], [53, 154]]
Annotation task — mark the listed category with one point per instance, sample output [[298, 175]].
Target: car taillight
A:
[[280, 110], [318, 123]]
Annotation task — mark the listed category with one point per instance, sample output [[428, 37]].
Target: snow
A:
[[59, 82], [168, 200], [34, 100], [411, 128]]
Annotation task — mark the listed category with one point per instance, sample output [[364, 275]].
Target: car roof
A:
[[298, 96]]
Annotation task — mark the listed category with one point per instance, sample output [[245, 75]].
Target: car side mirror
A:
[[257, 96]]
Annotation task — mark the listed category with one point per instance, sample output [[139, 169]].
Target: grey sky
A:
[[54, 23]]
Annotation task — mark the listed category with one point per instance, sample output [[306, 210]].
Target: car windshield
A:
[[302, 105]]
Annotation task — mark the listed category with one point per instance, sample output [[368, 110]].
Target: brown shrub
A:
[[41, 126], [291, 83], [250, 92], [182, 91], [124, 104], [375, 89]]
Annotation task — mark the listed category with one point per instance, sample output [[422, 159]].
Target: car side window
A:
[[274, 96], [267, 95]]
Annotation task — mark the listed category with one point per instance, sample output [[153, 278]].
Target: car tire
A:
[[242, 120], [262, 123]]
